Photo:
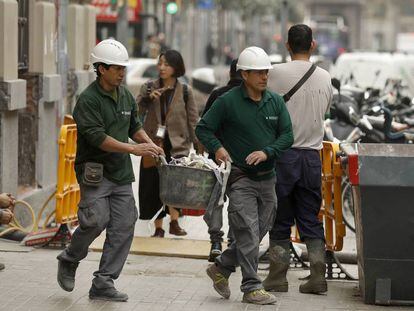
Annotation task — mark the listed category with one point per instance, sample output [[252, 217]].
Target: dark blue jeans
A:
[[298, 190]]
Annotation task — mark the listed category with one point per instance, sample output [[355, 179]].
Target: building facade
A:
[[44, 52], [373, 25]]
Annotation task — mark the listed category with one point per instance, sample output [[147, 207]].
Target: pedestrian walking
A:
[[162, 41], [169, 114], [7, 202], [106, 117], [255, 129], [151, 47], [210, 53], [299, 169], [215, 219]]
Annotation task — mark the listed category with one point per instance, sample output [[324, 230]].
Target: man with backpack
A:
[[308, 94]]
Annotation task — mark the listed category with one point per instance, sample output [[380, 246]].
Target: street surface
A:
[[154, 283]]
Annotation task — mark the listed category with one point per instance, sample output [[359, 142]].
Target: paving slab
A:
[[152, 283], [157, 283]]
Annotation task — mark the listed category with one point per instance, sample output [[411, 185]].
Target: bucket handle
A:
[[161, 160]]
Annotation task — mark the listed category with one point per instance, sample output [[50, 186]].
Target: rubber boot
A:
[[317, 282], [279, 264]]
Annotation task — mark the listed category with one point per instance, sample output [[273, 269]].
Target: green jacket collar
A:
[[107, 94], [266, 96]]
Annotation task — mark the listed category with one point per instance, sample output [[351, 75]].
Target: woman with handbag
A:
[[169, 114]]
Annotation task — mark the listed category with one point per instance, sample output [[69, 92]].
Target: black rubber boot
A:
[[317, 282], [279, 257]]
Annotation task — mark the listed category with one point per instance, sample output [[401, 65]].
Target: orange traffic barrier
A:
[[68, 119], [331, 210], [67, 189]]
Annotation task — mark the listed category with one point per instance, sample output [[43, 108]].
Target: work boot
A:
[[215, 251], [109, 294], [279, 257], [220, 282], [176, 229], [317, 282], [159, 233], [259, 297], [2, 266], [66, 274]]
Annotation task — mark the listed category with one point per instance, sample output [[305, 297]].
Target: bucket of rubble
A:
[[184, 186]]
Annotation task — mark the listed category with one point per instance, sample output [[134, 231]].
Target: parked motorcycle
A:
[[368, 116]]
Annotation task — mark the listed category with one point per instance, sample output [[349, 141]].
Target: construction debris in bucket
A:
[[196, 161]]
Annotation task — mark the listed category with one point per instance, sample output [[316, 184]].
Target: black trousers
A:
[[149, 188], [298, 191]]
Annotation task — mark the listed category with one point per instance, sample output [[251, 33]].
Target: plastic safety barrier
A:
[[67, 189], [331, 210]]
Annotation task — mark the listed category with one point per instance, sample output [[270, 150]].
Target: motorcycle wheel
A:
[[348, 212]]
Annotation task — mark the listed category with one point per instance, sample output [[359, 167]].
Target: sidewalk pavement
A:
[[154, 283]]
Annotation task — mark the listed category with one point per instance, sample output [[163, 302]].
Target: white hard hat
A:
[[110, 52], [253, 58]]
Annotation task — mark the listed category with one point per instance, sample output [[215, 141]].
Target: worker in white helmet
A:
[[255, 129], [106, 117]]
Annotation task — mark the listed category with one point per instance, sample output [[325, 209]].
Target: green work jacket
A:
[[248, 126], [97, 115]]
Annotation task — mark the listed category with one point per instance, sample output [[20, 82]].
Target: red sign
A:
[[107, 14]]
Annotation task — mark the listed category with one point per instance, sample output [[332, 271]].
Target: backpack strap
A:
[[185, 97], [298, 85], [185, 93]]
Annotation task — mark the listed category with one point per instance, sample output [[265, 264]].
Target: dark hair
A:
[[175, 60], [96, 68], [234, 74], [300, 38]]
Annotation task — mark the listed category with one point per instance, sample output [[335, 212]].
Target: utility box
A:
[[382, 178]]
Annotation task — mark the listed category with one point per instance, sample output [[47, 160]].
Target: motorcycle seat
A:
[[409, 121]]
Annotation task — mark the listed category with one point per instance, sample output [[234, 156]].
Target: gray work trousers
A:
[[112, 207], [252, 210], [215, 223]]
